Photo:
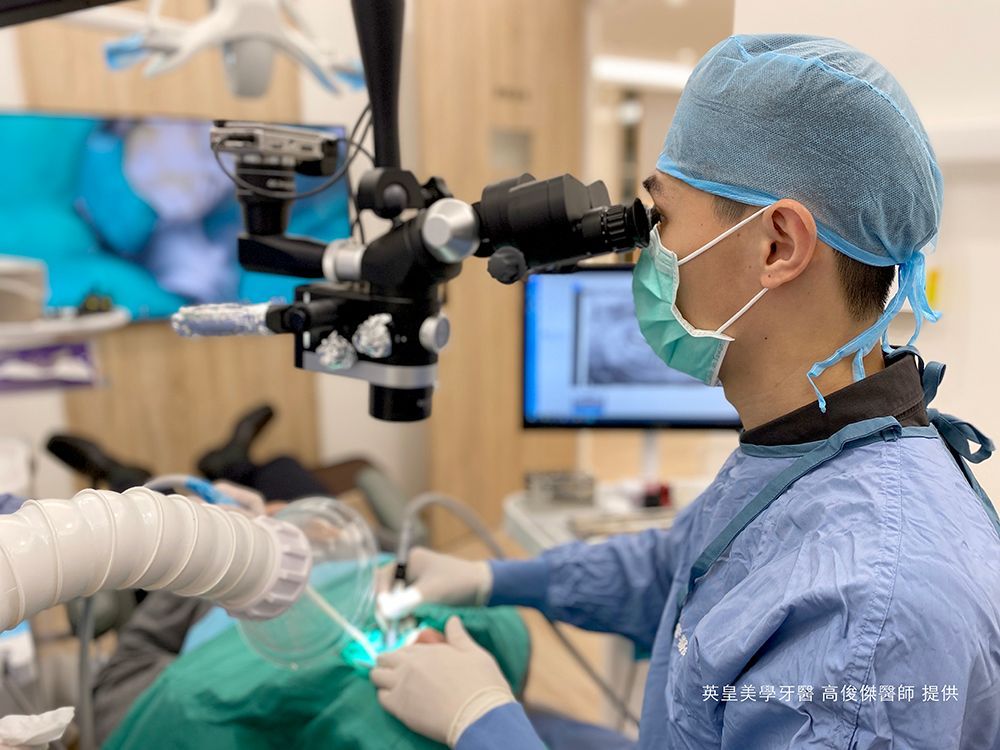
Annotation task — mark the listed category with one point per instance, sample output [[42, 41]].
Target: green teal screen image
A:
[[140, 211]]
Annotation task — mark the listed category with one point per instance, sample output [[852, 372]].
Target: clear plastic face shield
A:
[[338, 604]]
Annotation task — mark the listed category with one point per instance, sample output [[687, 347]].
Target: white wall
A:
[[942, 53], [11, 93], [944, 56], [345, 428]]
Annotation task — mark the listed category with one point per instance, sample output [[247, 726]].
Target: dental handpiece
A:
[[397, 604]]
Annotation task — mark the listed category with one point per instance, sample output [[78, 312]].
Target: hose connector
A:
[[289, 574]]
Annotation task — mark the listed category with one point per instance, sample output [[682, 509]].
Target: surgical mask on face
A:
[[654, 289]]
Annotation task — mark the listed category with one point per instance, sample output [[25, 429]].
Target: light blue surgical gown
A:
[[860, 609]]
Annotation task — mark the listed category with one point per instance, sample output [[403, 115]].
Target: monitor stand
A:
[[643, 488], [654, 486]]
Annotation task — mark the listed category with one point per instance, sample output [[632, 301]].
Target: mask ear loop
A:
[[717, 240], [712, 243], [742, 310]]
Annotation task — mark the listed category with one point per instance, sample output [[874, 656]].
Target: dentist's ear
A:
[[789, 235]]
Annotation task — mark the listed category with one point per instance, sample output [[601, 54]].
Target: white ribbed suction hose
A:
[[52, 551]]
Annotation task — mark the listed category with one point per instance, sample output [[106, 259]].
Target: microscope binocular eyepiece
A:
[[616, 228], [535, 225]]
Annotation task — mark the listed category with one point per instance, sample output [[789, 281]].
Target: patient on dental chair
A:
[[183, 677], [201, 686]]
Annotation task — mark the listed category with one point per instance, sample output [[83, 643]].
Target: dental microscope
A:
[[373, 311]]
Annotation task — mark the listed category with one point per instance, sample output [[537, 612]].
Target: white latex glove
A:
[[248, 499], [19, 732], [440, 689], [443, 579]]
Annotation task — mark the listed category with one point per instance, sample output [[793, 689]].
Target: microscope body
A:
[[374, 311]]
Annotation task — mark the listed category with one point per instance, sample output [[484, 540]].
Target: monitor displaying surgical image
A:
[[139, 211], [587, 364], [609, 348]]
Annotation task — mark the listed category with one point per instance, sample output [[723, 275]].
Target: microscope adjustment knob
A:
[[373, 337], [296, 318], [507, 265], [336, 353], [435, 189], [450, 230], [434, 333]]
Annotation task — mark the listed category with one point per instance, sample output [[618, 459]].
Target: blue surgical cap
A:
[[772, 116]]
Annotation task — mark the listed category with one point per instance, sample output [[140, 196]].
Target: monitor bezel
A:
[[615, 424]]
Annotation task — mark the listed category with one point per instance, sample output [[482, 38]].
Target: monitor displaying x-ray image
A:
[[139, 210], [609, 348], [587, 364]]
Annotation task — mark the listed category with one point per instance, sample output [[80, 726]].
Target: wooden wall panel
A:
[[511, 65], [63, 68], [167, 399]]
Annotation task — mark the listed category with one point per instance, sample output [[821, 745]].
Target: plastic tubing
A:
[[52, 551]]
